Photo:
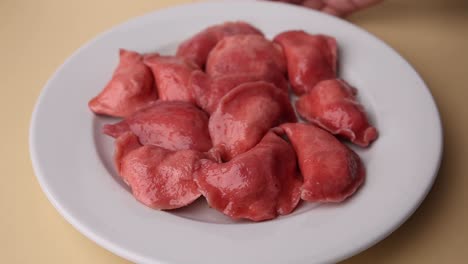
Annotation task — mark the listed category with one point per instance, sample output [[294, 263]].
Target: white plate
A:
[[72, 159]]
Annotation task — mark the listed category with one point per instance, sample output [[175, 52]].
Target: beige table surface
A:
[[36, 37]]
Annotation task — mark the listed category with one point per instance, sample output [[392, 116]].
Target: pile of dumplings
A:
[[216, 120]]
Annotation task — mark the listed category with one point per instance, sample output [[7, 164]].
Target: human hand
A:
[[339, 8]]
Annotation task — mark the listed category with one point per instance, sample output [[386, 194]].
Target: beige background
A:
[[36, 36]]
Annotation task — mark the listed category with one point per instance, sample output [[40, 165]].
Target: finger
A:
[[361, 4], [332, 11], [345, 7], [314, 4], [295, 2]]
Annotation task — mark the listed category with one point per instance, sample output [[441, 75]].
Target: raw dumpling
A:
[[332, 105], [199, 46], [310, 58], [168, 124], [257, 185], [124, 144], [130, 89], [172, 75], [331, 171], [245, 114], [246, 54], [159, 178], [210, 90]]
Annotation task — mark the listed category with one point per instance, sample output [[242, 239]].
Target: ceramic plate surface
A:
[[73, 160]]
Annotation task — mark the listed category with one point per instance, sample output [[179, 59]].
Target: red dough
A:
[[199, 46], [331, 171], [172, 75], [246, 54], [124, 144], [245, 114], [216, 120], [332, 105], [257, 185], [310, 58], [236, 60], [210, 90], [130, 89], [159, 178], [168, 124]]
